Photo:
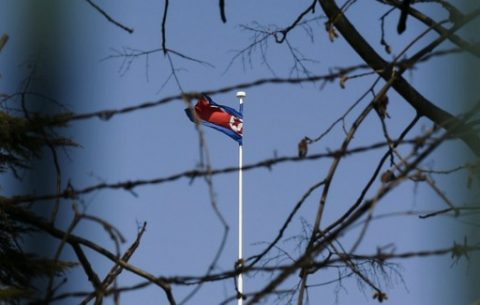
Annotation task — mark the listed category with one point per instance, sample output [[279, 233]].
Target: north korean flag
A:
[[220, 117]]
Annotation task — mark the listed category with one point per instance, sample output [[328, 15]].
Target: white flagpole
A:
[[241, 95]]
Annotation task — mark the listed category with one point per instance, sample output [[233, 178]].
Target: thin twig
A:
[[164, 28], [109, 18], [191, 174]]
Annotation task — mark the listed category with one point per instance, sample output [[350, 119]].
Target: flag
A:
[[220, 117]]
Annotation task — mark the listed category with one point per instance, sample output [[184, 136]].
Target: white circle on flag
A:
[[236, 124]]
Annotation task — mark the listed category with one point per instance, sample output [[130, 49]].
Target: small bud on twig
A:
[[388, 176]]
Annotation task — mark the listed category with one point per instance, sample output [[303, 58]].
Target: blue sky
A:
[[183, 232]]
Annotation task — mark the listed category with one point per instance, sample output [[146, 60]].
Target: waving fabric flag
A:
[[222, 118]]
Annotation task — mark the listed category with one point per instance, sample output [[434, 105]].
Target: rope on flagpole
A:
[[241, 95]]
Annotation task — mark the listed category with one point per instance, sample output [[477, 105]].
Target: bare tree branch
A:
[[191, 174], [459, 41], [409, 93], [164, 28], [221, 4], [109, 18], [76, 241]]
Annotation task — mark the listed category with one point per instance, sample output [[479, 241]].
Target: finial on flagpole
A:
[[241, 94]]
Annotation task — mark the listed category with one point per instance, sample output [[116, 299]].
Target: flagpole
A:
[[241, 95]]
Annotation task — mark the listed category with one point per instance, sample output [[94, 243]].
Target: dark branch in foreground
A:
[[421, 104], [164, 28], [109, 18], [191, 174], [340, 73], [222, 11], [75, 241]]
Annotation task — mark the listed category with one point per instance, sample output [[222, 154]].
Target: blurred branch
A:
[[75, 241], [325, 240], [330, 77], [408, 92], [192, 174], [164, 28], [92, 276], [379, 257], [117, 269], [369, 184], [459, 41], [331, 172], [258, 257], [456, 211], [281, 35], [221, 4], [3, 41], [109, 18]]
